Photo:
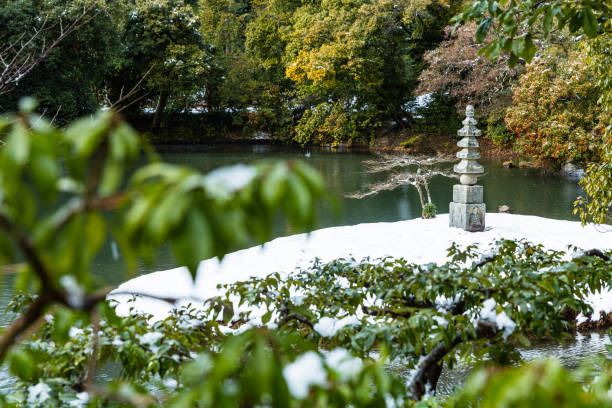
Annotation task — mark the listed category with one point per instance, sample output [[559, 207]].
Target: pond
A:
[[525, 191]]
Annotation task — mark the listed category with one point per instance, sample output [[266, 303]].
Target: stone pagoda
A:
[[467, 210]]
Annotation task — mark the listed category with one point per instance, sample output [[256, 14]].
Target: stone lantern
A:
[[467, 209]]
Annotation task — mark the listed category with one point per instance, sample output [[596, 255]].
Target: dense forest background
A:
[[308, 72]]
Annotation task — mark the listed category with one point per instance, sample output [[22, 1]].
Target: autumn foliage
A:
[[554, 114], [456, 68]]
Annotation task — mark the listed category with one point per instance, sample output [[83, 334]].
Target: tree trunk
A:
[[427, 189], [159, 110], [420, 190]]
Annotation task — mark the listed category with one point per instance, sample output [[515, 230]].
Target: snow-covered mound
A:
[[418, 241]]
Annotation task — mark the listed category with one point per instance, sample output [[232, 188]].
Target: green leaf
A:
[[311, 176], [86, 134], [112, 176], [194, 242], [589, 22], [492, 50], [483, 29], [513, 60], [274, 184], [547, 21], [95, 230], [266, 317], [576, 21], [45, 172], [298, 207], [23, 365], [17, 147], [529, 50], [63, 320], [523, 340], [27, 104]]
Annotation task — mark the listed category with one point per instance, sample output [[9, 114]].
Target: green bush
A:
[[496, 128], [429, 210], [328, 123]]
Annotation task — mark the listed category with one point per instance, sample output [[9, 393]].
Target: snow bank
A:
[[418, 240]]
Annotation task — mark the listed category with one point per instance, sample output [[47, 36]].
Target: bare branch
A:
[[388, 162], [401, 179], [20, 57], [421, 169], [120, 105]]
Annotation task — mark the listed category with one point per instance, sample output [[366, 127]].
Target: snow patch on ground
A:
[[419, 241]]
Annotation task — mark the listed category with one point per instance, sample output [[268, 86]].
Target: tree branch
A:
[[597, 253], [294, 316], [431, 363], [23, 60]]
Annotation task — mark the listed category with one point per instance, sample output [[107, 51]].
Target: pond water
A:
[[525, 191]]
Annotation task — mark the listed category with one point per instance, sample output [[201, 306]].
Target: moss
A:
[[410, 142]]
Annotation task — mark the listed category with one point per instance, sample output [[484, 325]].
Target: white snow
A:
[[170, 383], [75, 332], [231, 178], [38, 393], [503, 322], [151, 339], [328, 327], [342, 362], [82, 398], [74, 290], [419, 241], [307, 370], [600, 302]]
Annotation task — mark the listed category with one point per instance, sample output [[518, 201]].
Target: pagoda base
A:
[[470, 217]]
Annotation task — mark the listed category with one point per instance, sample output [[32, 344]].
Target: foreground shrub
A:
[[319, 336]]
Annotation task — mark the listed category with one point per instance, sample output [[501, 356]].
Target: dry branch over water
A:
[[419, 170]]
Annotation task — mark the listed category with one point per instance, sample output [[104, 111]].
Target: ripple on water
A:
[[6, 380], [570, 354]]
